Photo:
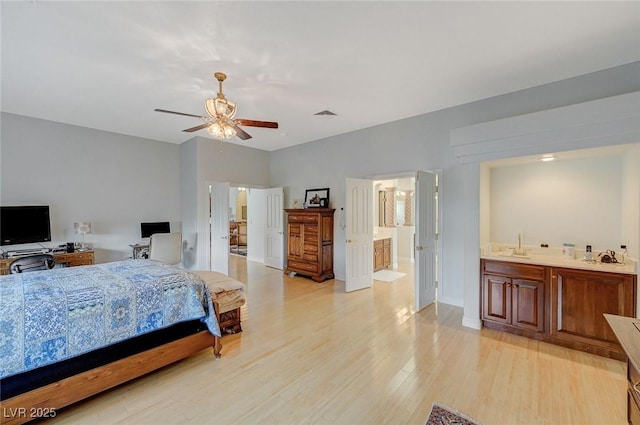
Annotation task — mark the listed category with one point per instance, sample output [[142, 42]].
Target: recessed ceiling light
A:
[[547, 157]]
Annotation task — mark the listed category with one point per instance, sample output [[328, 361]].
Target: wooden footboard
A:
[[44, 402]]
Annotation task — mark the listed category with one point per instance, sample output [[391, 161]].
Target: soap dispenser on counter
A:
[[588, 255]]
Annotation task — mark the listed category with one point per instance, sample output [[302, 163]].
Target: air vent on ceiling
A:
[[326, 113]]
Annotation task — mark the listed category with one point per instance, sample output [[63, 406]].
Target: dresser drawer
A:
[[303, 266], [303, 218], [83, 256], [310, 257]]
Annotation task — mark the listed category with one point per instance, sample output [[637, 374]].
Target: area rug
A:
[[387, 275], [443, 415]]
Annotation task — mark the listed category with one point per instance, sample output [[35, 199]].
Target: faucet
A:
[[519, 250]]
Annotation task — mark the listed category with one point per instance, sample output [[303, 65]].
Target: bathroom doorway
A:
[[238, 218], [405, 213]]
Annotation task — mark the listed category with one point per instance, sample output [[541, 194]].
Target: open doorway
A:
[[258, 217], [238, 219], [393, 221]]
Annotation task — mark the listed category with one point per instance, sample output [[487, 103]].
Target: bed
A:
[[69, 333]]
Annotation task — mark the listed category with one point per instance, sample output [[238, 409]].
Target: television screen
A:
[[148, 229], [24, 224]]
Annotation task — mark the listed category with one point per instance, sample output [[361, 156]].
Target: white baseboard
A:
[[471, 322], [451, 301]]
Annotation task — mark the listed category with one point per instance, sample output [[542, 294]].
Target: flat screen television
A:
[[148, 229], [24, 224]]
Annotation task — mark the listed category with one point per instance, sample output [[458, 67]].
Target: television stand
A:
[[66, 259]]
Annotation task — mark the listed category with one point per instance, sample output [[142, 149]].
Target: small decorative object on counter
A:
[[608, 256], [588, 254], [569, 250]]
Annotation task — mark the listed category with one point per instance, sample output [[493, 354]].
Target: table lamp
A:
[[82, 227]]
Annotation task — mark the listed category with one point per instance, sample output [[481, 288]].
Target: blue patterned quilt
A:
[[52, 315]]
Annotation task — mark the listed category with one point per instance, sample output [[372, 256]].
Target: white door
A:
[[359, 234], [274, 228], [426, 243], [219, 210]]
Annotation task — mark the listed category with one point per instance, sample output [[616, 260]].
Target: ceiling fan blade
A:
[[197, 127], [178, 113], [241, 133], [253, 123]]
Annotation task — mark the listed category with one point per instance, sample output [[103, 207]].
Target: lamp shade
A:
[[83, 227]]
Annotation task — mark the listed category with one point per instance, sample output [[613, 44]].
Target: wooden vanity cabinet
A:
[[513, 296], [381, 254], [310, 242], [558, 305], [580, 298]]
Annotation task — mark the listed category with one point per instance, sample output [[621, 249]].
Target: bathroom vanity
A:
[[557, 300], [381, 254]]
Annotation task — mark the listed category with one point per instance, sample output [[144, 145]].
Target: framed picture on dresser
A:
[[316, 198]]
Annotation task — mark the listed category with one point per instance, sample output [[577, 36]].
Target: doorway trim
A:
[[439, 173]]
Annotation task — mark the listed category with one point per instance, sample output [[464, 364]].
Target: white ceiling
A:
[[108, 65]]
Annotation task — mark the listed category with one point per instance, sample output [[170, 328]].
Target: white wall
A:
[[630, 211], [112, 180], [189, 201], [423, 143], [218, 162], [576, 201]]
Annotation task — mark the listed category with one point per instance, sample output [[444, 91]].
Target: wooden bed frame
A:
[[45, 401]]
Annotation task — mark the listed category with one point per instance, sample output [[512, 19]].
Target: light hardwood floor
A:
[[312, 354]]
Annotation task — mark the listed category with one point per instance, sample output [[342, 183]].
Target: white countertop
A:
[[629, 267]]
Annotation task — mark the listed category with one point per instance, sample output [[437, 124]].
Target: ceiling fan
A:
[[221, 122]]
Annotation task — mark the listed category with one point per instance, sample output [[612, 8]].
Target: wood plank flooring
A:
[[312, 354]]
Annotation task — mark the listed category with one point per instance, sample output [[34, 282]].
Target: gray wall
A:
[[423, 143], [112, 180], [213, 162]]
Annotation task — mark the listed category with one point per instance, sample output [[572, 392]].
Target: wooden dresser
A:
[[627, 330], [69, 259], [310, 242]]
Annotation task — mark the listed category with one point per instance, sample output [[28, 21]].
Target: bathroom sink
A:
[[511, 254]]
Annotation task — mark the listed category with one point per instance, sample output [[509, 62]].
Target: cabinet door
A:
[[378, 257], [580, 298], [496, 299], [527, 297], [294, 242], [386, 253]]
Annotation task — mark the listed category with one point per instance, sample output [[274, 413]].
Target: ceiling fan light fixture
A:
[[220, 122], [220, 107], [221, 130]]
